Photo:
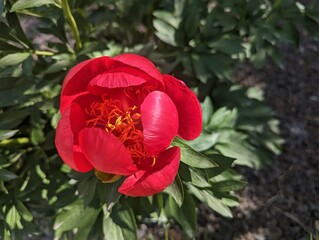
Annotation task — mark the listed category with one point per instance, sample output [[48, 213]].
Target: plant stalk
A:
[[15, 141], [166, 233], [68, 15], [43, 53]]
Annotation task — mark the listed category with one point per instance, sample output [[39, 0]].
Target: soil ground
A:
[[281, 201]]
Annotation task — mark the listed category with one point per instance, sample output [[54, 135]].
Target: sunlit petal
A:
[[160, 121]]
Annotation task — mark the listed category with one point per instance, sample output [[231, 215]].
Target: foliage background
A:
[[199, 42]]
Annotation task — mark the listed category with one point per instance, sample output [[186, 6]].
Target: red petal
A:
[[78, 117], [65, 141], [79, 76], [77, 120], [105, 152], [188, 107], [141, 63], [160, 121], [66, 101], [118, 79], [74, 70], [156, 178]]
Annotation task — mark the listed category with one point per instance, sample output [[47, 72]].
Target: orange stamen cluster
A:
[[124, 124], [139, 93]]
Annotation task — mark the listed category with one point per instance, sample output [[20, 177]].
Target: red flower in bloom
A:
[[119, 117]]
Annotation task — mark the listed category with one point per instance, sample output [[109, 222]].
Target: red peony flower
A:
[[119, 117]]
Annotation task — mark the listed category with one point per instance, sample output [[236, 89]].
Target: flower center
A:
[[122, 123]]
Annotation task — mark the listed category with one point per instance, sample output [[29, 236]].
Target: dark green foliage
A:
[[199, 42]]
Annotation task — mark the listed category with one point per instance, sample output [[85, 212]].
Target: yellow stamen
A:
[[154, 161], [122, 123], [118, 121]]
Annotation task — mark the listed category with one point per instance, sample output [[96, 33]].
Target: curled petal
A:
[[160, 122], [122, 77], [154, 179], [66, 138], [79, 76], [141, 63], [105, 152], [188, 107]]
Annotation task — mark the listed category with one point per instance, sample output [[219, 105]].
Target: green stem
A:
[[166, 229], [43, 53], [68, 15], [15, 141]]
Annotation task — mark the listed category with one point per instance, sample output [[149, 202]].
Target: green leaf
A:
[[164, 31], [184, 215], [7, 47], [63, 61], [218, 63], [275, 54], [55, 119], [259, 58], [74, 216], [6, 175], [5, 35], [230, 200], [27, 67], [23, 211], [190, 18], [11, 119], [235, 144], [108, 194], [207, 109], [214, 203], [87, 189], [223, 118], [13, 59], [120, 225], [195, 176], [5, 134], [16, 29], [202, 72], [227, 21], [12, 91], [13, 218], [84, 232], [203, 142], [167, 17], [228, 185], [192, 158], [65, 197], [223, 164], [176, 190], [37, 136], [3, 188], [228, 44], [199, 177], [1, 12], [24, 4]]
